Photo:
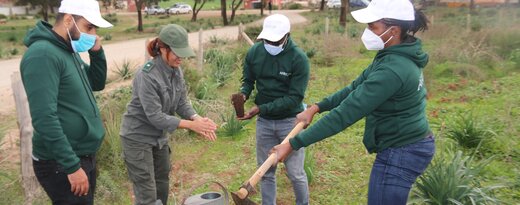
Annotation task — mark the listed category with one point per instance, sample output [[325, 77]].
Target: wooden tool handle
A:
[[271, 160]]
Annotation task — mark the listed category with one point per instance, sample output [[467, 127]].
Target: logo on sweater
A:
[[421, 82], [284, 74]]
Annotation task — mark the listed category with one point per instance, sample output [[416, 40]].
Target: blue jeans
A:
[[396, 169], [56, 183], [268, 134]]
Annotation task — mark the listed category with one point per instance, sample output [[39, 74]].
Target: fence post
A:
[[432, 20], [240, 30], [146, 54], [468, 22], [30, 183], [327, 26], [201, 51]]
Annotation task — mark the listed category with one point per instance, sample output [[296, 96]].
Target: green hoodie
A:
[[390, 93], [281, 80], [59, 86]]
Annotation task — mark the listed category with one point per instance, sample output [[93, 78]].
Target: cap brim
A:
[[270, 36], [365, 15], [99, 22], [184, 52]]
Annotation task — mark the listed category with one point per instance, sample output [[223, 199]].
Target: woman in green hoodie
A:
[[391, 94]]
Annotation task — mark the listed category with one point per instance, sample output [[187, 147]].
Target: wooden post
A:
[[240, 30], [432, 20], [146, 54], [327, 20], [468, 22], [29, 181], [201, 51]]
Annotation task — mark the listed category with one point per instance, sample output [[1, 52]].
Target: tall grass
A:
[[468, 131], [126, 70], [231, 127], [112, 170], [454, 180]]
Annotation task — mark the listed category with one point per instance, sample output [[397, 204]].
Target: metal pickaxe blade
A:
[[241, 196]]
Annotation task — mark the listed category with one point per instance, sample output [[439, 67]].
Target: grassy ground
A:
[[476, 71]]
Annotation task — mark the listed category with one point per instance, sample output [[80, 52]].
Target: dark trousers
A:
[[56, 183]]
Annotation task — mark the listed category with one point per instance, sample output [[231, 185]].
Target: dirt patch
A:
[[9, 149]]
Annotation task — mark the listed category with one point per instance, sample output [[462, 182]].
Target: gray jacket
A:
[[158, 93]]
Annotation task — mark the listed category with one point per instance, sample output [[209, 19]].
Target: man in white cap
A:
[[280, 71], [67, 124]]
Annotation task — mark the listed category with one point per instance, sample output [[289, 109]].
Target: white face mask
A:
[[372, 41], [275, 50]]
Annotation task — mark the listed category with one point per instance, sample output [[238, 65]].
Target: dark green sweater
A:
[[281, 80], [390, 93], [59, 86]]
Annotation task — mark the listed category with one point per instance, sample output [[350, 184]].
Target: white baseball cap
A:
[[275, 27], [379, 9], [88, 9]]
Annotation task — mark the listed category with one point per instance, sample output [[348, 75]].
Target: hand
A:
[[282, 151], [307, 115], [254, 111], [97, 45], [205, 127], [79, 182]]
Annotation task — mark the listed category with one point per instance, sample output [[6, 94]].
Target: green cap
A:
[[176, 37]]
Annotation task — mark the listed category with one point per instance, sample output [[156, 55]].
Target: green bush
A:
[[468, 131], [125, 70], [205, 90], [14, 51], [453, 180], [3, 16], [12, 38], [107, 37], [231, 126], [309, 165], [111, 17], [253, 31], [294, 6]]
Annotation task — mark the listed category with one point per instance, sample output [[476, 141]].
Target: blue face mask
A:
[[84, 43], [273, 50]]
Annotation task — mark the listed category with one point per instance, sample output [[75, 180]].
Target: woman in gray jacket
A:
[[159, 91]]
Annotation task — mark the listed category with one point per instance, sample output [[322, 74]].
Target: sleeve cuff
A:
[[98, 52], [73, 169], [322, 106], [174, 124], [296, 142]]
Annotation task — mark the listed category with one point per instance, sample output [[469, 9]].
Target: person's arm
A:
[[41, 78], [296, 93], [248, 77], [147, 91], [375, 90], [332, 101], [97, 70]]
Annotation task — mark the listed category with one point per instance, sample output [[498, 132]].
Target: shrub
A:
[[12, 38], [294, 6], [253, 31], [452, 180], [231, 126], [467, 131], [3, 16], [309, 165], [126, 70], [14, 51], [205, 90], [111, 17], [223, 66], [107, 37]]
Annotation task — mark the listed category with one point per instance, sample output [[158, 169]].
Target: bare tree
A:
[[261, 7], [343, 12], [234, 6], [196, 10], [223, 12], [44, 4], [472, 6], [322, 5]]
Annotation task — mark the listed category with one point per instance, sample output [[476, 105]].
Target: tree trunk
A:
[[261, 7], [234, 8], [196, 10], [138, 6], [223, 12], [343, 13], [322, 5], [45, 9]]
